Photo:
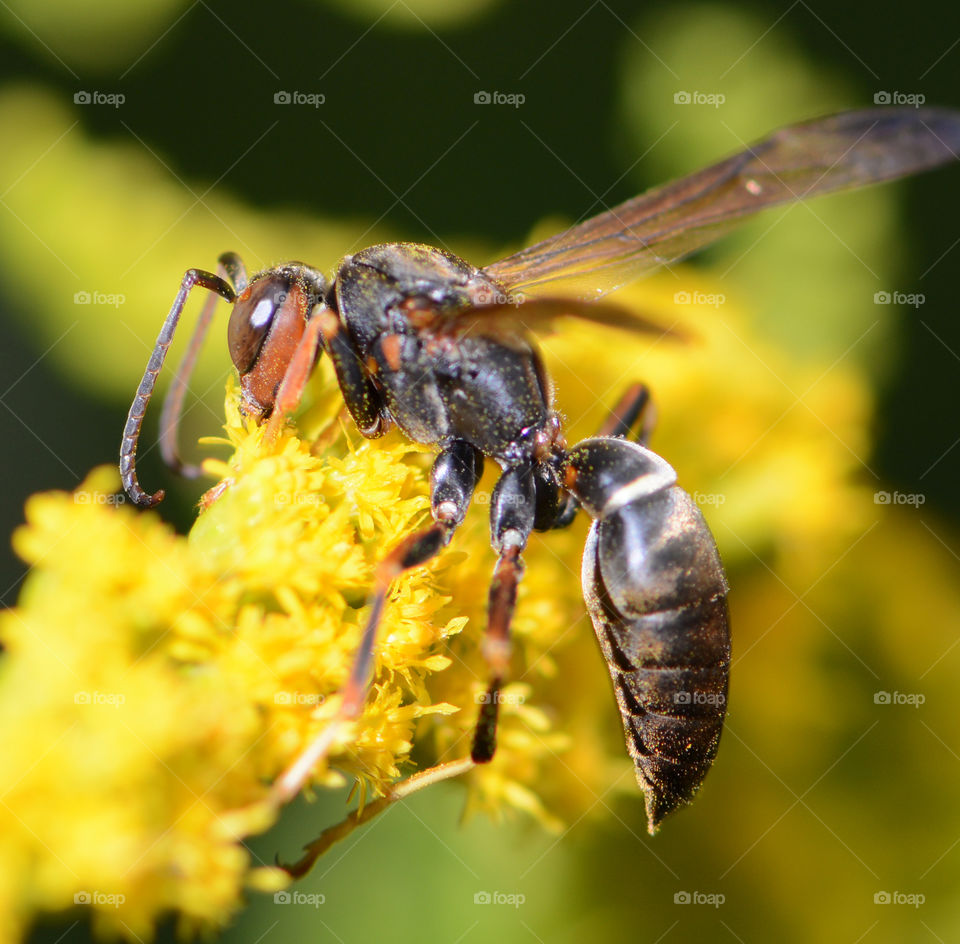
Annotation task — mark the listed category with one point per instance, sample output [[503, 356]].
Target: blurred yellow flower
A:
[[154, 685]]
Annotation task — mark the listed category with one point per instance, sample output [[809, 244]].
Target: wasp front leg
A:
[[454, 478], [364, 400]]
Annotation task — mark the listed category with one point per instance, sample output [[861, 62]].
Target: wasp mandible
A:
[[423, 340]]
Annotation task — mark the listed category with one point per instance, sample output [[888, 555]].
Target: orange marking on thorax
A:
[[329, 323], [418, 314], [390, 345]]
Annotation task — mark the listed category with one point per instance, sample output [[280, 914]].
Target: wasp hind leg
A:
[[634, 410], [362, 815]]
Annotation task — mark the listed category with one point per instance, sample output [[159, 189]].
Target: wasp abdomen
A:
[[656, 592]]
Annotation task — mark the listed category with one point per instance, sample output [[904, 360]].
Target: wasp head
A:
[[266, 326]]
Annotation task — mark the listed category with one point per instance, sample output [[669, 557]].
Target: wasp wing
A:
[[850, 149], [538, 315]]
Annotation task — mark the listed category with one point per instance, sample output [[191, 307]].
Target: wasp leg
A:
[[633, 408], [229, 268], [453, 480], [362, 815], [512, 513], [295, 379], [131, 431], [364, 401], [566, 512]]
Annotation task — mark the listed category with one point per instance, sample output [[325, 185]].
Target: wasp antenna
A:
[[235, 270], [131, 431], [232, 268]]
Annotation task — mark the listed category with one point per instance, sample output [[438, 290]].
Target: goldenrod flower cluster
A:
[[154, 685]]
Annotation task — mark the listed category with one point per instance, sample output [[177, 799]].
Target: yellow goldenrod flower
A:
[[154, 685]]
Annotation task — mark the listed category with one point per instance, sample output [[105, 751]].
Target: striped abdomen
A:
[[656, 592]]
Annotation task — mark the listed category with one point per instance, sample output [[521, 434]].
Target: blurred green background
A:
[[823, 801]]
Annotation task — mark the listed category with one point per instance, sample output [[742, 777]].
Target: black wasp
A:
[[424, 340]]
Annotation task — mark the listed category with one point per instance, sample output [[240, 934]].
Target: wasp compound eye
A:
[[252, 317]]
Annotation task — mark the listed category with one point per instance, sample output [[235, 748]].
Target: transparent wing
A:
[[539, 314], [851, 149]]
